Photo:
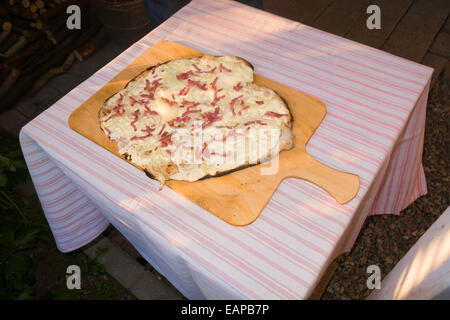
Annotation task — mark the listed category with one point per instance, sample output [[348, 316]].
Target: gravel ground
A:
[[385, 239]]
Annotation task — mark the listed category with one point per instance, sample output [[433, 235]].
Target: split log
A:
[[25, 3], [9, 82], [8, 42], [33, 8], [6, 27], [42, 80], [20, 43], [98, 41], [40, 4], [18, 59], [60, 9]]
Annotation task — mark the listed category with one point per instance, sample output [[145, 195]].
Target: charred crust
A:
[[244, 166], [127, 156], [287, 107], [150, 175], [246, 62]]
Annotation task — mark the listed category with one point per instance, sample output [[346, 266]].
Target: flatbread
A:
[[189, 119]]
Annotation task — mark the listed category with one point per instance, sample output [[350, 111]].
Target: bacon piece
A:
[[274, 114], [179, 119], [214, 88], [136, 117], [205, 151], [198, 70], [232, 133], [189, 104], [190, 111], [185, 75], [238, 86], [178, 146], [151, 87], [233, 102], [148, 130], [166, 139], [155, 67], [147, 96], [210, 71], [255, 121], [244, 108], [120, 100], [259, 102], [197, 84], [162, 129], [134, 101], [219, 154], [222, 68], [184, 91], [210, 117], [112, 116], [150, 112], [190, 84], [169, 102], [118, 109]]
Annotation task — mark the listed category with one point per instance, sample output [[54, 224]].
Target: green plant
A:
[[12, 170], [21, 225], [15, 279], [99, 268], [111, 289], [64, 294]]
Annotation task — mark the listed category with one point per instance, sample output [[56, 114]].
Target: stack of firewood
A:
[[36, 45]]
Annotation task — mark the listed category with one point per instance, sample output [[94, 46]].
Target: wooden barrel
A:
[[125, 21]]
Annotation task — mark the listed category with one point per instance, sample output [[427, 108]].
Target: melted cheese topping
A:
[[191, 118]]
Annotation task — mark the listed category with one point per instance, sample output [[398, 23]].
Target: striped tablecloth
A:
[[374, 127]]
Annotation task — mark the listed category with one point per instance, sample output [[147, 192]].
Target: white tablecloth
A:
[[374, 127]]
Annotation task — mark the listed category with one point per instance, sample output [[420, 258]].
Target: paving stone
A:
[[95, 62], [278, 7], [133, 276], [119, 265], [306, 11], [446, 76], [441, 45], [436, 62], [339, 17], [119, 240], [65, 82], [147, 287], [390, 15], [11, 121], [324, 281], [82, 70], [44, 98], [417, 29]]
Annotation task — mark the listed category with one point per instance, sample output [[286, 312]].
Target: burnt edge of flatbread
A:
[[244, 166]]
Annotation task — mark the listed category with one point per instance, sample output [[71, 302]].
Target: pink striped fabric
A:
[[374, 127]]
